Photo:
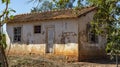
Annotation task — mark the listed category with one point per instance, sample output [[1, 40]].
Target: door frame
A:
[[47, 28]]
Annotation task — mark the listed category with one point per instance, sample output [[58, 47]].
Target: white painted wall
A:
[[39, 40]]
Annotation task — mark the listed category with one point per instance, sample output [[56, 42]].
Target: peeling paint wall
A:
[[70, 38], [65, 36], [70, 49], [86, 49]]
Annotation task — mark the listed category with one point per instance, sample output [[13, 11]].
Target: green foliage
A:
[[61, 3], [11, 16], [46, 5], [51, 5], [4, 17], [4, 1], [113, 44], [3, 40], [106, 22]]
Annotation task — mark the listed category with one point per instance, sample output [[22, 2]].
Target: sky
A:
[[20, 6]]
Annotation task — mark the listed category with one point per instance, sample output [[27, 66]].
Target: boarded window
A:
[[92, 36], [37, 29], [17, 34]]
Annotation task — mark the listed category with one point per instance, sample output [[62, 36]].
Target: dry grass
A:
[[54, 61]]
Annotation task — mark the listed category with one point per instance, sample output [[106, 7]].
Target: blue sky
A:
[[21, 6]]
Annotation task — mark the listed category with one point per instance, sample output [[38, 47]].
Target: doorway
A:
[[50, 39]]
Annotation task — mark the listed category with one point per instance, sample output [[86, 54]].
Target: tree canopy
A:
[[51, 5], [107, 22]]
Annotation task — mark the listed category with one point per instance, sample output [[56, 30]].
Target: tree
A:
[[53, 4], [46, 5], [105, 19], [3, 18], [106, 22], [35, 9], [63, 3], [36, 1]]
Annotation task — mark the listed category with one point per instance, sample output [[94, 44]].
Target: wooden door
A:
[[50, 40]]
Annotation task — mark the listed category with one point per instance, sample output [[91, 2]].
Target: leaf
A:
[[3, 1], [11, 17], [12, 10], [8, 1]]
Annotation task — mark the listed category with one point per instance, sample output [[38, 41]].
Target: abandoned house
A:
[[60, 32]]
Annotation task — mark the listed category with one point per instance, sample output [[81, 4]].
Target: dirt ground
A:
[[55, 61]]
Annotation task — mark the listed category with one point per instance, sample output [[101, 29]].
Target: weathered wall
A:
[[86, 49], [65, 41], [68, 34]]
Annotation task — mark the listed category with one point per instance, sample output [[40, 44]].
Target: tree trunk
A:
[[3, 59], [116, 60]]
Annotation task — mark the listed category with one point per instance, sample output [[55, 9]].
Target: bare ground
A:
[[55, 61]]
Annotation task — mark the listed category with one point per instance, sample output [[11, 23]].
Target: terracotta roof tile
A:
[[48, 15]]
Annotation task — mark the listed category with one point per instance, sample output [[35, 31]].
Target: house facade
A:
[[60, 32]]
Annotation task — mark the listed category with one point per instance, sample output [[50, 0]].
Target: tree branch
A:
[[4, 12]]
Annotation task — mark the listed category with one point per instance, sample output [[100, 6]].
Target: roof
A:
[[53, 14]]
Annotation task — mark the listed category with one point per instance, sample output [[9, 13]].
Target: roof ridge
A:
[[53, 10], [52, 14]]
